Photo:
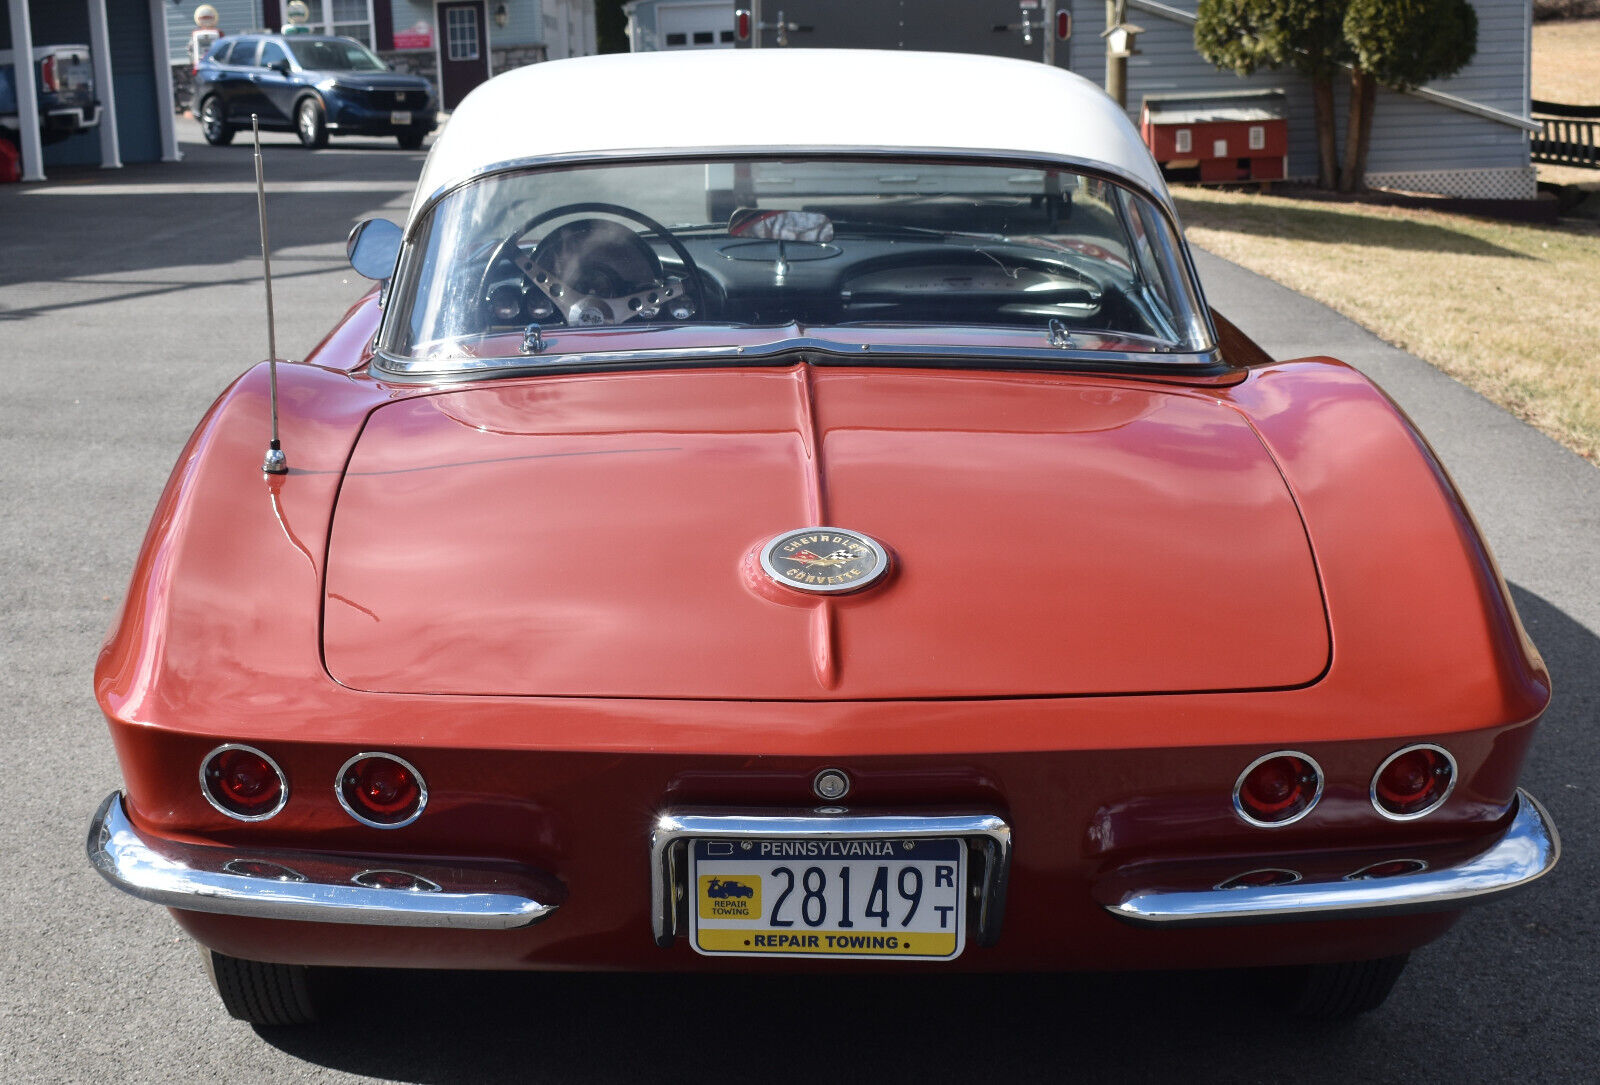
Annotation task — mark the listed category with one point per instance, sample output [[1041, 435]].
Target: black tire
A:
[[1338, 992], [260, 993], [309, 123], [214, 123], [410, 141]]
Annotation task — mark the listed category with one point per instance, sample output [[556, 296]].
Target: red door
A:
[[463, 49]]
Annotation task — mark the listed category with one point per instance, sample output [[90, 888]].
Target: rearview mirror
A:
[[373, 247], [781, 225], [280, 66]]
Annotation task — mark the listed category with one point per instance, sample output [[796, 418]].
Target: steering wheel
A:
[[594, 271]]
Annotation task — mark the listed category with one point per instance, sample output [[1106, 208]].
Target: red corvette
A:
[[850, 543]]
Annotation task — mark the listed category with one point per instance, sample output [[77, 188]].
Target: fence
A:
[[1571, 134]]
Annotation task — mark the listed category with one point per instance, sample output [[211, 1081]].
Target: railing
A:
[[1570, 136]]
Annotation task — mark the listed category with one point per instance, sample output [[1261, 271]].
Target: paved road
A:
[[124, 309]]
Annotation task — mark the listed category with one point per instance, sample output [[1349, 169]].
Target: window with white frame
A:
[[461, 33], [351, 18]]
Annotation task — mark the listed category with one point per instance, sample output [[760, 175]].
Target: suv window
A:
[[242, 53], [271, 51]]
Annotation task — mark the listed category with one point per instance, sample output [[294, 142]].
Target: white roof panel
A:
[[800, 99]]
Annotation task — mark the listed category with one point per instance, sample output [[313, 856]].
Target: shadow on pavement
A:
[[1170, 1026], [85, 221]]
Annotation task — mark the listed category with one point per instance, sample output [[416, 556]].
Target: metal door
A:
[[463, 49]]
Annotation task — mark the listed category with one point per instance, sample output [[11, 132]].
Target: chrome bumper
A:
[[990, 836], [311, 888], [1526, 851]]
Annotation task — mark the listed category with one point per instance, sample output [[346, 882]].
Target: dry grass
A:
[[1566, 61], [1511, 310]]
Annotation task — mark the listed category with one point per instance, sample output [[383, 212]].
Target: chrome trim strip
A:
[[1051, 359], [676, 828], [194, 878], [1372, 789], [1527, 850]]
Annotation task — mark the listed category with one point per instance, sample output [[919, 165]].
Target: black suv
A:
[[311, 85]]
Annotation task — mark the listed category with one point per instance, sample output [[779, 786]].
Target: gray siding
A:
[[1409, 133]]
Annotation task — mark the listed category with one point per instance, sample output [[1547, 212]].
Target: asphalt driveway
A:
[[129, 299]]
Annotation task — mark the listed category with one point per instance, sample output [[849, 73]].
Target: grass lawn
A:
[[1566, 61], [1511, 310]]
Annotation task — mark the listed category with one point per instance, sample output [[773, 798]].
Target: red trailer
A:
[[1228, 136]]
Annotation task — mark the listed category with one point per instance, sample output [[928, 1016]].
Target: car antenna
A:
[[275, 463]]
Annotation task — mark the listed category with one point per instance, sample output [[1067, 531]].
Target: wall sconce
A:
[[501, 16]]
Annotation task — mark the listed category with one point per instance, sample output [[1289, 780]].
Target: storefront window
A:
[[352, 18]]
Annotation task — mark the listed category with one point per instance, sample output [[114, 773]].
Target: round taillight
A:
[[1277, 789], [381, 790], [1413, 781], [243, 783]]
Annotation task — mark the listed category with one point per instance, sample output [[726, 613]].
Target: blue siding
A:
[[133, 66]]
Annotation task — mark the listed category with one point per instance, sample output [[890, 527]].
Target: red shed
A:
[[1230, 136]]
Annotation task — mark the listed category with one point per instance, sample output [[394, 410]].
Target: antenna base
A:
[[275, 463]]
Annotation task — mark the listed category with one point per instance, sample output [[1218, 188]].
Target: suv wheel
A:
[[308, 123], [213, 122]]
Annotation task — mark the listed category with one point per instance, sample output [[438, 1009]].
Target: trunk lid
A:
[[597, 535]]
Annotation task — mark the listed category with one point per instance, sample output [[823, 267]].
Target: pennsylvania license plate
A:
[[871, 897], [400, 116]]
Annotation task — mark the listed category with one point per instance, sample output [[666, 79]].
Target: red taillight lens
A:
[[1278, 789], [47, 74], [1063, 25], [1261, 879], [1413, 781], [243, 783], [741, 24], [381, 790]]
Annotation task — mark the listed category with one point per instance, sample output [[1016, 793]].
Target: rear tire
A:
[[309, 124], [1338, 992], [261, 993], [213, 122]]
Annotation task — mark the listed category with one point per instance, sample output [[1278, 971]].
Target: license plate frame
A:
[[741, 904]]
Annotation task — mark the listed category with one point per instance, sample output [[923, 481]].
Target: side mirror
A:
[[373, 248], [280, 66]]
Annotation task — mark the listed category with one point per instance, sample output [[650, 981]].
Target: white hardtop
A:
[[731, 100]]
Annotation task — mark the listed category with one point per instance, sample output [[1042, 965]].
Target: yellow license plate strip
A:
[[867, 897]]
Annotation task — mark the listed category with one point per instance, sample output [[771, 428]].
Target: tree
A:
[[1243, 36], [1399, 44]]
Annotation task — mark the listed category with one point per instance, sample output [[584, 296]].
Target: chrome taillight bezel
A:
[[1390, 815], [283, 782], [1316, 797], [422, 790]]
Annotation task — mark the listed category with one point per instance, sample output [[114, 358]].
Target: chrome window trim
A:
[[672, 831], [1372, 789], [1526, 851], [1238, 805], [283, 783], [422, 786], [1050, 358]]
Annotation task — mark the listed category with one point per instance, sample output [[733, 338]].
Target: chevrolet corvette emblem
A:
[[824, 559]]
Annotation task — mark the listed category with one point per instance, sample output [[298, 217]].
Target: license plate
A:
[[871, 897], [400, 116]]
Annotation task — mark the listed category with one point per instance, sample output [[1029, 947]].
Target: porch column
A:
[[27, 92], [105, 86], [163, 81]]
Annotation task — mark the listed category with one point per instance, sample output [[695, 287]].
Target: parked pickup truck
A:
[[64, 78]]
